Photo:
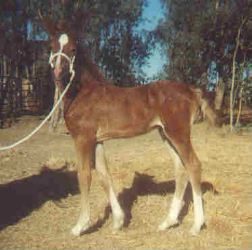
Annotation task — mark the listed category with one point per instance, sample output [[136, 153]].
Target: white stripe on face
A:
[[63, 40]]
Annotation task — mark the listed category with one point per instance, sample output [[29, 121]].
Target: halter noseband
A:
[[60, 53]]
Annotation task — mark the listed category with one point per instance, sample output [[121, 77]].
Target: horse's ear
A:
[[47, 23], [81, 19]]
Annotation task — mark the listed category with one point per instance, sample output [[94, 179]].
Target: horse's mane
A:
[[85, 64]]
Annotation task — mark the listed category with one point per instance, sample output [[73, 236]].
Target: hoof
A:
[[79, 229], [167, 224], [118, 222], [195, 229]]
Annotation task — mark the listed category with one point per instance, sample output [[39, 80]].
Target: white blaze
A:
[[63, 40]]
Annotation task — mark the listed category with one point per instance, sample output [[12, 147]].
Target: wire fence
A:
[[20, 96]]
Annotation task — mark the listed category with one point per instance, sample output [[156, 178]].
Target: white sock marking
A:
[[102, 169], [117, 211], [175, 208], [198, 210]]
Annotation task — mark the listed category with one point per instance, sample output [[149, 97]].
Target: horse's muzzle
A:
[[57, 73]]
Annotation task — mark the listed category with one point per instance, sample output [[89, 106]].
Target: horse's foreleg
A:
[[85, 151], [177, 203], [105, 177]]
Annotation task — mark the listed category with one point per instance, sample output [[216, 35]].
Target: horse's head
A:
[[63, 53], [66, 54], [63, 43]]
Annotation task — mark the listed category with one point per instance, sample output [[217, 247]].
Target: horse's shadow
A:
[[19, 198]]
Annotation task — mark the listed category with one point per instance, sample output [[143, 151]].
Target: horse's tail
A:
[[206, 110]]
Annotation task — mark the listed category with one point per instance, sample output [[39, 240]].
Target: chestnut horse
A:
[[95, 111]]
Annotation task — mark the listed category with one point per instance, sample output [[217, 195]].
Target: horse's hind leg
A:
[[181, 181], [105, 177], [180, 139], [85, 151]]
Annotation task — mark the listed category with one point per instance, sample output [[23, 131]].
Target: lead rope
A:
[[72, 72]]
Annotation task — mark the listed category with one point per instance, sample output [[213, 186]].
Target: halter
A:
[[70, 61], [63, 40]]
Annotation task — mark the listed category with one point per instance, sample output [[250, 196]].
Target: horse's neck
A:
[[87, 75], [88, 71], [90, 77]]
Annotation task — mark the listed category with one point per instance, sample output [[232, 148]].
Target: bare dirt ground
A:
[[40, 198]]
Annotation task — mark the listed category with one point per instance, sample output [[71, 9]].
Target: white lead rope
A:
[[72, 72]]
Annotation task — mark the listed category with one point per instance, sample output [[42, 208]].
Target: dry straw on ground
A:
[[40, 198]]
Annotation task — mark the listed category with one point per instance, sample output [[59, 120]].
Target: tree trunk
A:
[[5, 68], [233, 75], [240, 95], [240, 106], [219, 95]]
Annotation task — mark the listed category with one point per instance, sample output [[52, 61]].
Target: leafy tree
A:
[[110, 35], [108, 31], [203, 42]]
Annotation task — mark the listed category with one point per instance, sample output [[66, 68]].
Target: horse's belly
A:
[[112, 130]]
